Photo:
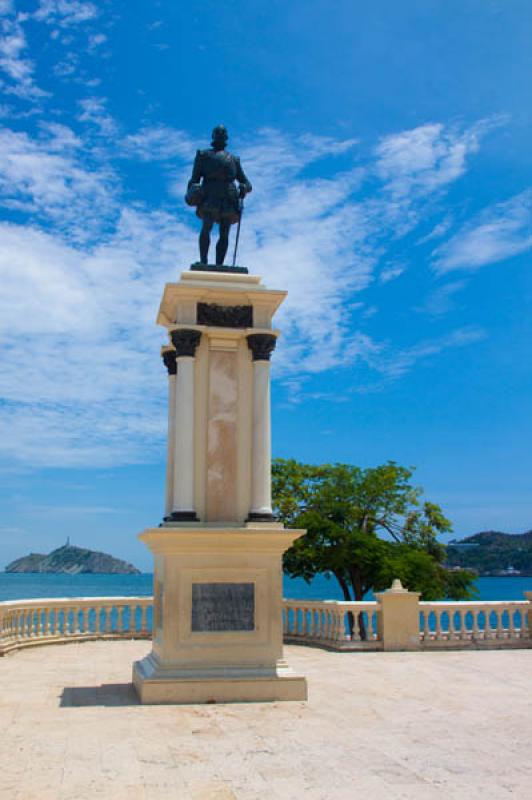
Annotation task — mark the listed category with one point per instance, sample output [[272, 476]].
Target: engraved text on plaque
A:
[[223, 607]]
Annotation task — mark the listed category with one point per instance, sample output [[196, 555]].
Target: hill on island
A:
[[72, 560], [492, 553]]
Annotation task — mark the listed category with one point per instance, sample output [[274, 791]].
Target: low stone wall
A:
[[396, 620], [26, 623]]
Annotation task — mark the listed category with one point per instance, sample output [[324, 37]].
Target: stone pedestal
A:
[[398, 621], [217, 553]]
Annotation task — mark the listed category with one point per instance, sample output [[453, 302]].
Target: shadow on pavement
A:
[[107, 694]]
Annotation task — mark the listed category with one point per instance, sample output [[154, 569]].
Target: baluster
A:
[[321, 631], [84, 620], [464, 632], [333, 624], [326, 627], [340, 626], [426, 628], [120, 625], [500, 624], [36, 622], [372, 621], [108, 611], [488, 630], [355, 635], [453, 631], [299, 621], [475, 630], [311, 624], [144, 619], [132, 627], [438, 614], [511, 623], [303, 621]]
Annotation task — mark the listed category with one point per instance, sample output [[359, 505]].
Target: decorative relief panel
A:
[[225, 316]]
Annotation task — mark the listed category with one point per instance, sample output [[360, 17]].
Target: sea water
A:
[[15, 586]]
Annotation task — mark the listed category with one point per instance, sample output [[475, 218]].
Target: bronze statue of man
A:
[[212, 190]]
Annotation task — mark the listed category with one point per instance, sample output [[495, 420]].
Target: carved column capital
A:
[[169, 358], [185, 341], [261, 345]]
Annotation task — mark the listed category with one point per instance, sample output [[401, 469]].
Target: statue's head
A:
[[219, 137]]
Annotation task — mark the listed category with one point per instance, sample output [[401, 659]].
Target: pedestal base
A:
[[157, 685], [217, 616]]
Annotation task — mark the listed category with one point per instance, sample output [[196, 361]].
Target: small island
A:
[[72, 560]]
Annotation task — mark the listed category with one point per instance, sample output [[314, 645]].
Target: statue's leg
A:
[[205, 239], [223, 242]]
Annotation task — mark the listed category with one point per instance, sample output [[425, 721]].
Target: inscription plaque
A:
[[223, 607]]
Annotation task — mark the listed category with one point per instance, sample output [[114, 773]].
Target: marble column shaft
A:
[[261, 346], [185, 342], [169, 359]]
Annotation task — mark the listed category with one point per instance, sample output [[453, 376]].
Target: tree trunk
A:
[[347, 596], [358, 593]]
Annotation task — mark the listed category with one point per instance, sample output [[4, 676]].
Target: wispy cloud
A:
[[65, 12], [158, 143], [441, 300], [44, 177], [82, 275], [94, 112], [500, 232], [391, 271], [15, 64], [427, 158], [395, 364]]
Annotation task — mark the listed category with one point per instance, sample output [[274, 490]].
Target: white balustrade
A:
[[480, 622], [336, 624], [29, 622]]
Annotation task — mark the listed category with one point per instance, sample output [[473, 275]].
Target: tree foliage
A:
[[365, 527]]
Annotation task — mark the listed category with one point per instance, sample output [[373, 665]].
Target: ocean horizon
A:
[[25, 586]]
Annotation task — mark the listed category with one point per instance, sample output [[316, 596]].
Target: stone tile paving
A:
[[412, 726]]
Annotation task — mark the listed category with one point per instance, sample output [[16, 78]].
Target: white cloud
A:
[[94, 113], [440, 300], [44, 177], [425, 159], [395, 364], [438, 230], [14, 63], [158, 143], [391, 271], [96, 39], [500, 232], [65, 12], [81, 280]]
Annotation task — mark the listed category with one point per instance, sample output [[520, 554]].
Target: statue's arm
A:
[[196, 170], [241, 178]]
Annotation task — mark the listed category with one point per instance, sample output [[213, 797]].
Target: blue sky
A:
[[389, 149]]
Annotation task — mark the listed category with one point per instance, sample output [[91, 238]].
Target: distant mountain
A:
[[493, 553], [72, 560]]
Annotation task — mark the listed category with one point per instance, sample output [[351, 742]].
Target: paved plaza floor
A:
[[416, 726]]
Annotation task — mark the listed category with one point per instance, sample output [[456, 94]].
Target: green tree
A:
[[346, 512]]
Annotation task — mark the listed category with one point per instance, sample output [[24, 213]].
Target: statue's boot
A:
[[221, 250], [204, 243]]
